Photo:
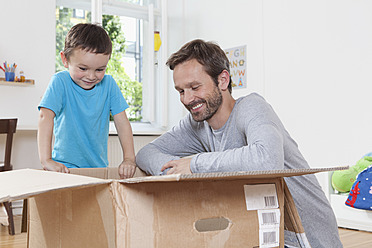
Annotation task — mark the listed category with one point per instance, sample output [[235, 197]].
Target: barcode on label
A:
[[269, 227], [269, 238], [269, 201], [269, 218]]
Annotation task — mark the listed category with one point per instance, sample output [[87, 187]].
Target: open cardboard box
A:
[[95, 209]]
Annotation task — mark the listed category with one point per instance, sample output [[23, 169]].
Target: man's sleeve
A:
[[263, 152], [180, 141]]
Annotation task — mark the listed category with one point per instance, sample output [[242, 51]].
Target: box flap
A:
[[231, 175], [104, 173], [91, 172], [20, 184], [292, 221]]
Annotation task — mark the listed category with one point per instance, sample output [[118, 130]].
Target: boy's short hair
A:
[[88, 37], [208, 54]]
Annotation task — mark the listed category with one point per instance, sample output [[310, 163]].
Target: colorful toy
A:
[[368, 154], [360, 195], [353, 195], [342, 181]]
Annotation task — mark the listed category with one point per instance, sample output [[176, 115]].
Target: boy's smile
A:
[[86, 68]]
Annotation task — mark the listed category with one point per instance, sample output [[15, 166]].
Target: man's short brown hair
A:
[[208, 54]]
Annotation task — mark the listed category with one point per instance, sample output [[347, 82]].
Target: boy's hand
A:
[[51, 165], [127, 169]]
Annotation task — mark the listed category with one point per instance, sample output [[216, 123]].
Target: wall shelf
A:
[[28, 82]]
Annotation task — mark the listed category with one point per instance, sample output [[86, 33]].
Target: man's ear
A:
[[224, 80], [64, 59]]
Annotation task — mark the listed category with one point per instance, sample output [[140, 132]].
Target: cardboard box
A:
[[238, 209]]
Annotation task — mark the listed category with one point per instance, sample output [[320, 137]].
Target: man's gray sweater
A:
[[253, 138]]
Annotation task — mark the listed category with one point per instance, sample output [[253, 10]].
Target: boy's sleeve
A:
[[118, 103], [53, 96]]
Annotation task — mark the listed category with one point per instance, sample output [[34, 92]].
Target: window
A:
[[134, 63], [79, 14]]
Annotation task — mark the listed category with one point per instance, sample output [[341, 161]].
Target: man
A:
[[225, 134]]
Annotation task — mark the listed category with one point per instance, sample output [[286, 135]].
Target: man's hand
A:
[[127, 169], [51, 165], [181, 166]]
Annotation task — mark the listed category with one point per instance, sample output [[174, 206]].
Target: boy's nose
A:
[[91, 75]]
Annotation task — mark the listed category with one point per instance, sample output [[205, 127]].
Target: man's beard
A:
[[211, 103]]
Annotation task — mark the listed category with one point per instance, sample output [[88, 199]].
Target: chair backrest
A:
[[8, 127]]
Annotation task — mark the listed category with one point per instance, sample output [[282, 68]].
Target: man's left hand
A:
[[181, 166]]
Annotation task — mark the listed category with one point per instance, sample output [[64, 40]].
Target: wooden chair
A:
[[8, 127]]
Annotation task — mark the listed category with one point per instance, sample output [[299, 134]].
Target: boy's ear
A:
[[64, 59], [224, 80]]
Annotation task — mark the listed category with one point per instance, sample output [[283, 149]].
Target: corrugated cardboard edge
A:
[[104, 173], [231, 175], [23, 179]]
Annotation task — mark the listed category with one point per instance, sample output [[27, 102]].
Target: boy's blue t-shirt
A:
[[81, 124]]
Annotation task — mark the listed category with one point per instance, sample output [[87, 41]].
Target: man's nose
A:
[[188, 96]]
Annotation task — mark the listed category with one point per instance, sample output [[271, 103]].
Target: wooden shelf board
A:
[[27, 83]]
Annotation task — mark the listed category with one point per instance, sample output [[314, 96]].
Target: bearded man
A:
[[225, 134]]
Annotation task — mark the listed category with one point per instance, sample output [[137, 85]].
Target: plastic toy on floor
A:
[[360, 195], [342, 181]]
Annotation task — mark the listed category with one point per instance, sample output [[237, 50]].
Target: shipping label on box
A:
[[263, 198], [260, 196]]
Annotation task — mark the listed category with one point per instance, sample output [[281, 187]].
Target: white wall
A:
[[229, 23], [317, 67], [311, 60], [28, 39], [318, 62]]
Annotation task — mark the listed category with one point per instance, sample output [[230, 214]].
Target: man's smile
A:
[[197, 106]]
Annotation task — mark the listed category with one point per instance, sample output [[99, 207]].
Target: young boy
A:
[[77, 104]]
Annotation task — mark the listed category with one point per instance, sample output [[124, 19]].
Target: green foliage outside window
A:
[[131, 89]]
